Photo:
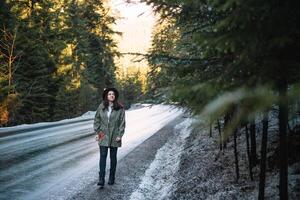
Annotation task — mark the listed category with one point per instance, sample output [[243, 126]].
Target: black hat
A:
[[106, 90]]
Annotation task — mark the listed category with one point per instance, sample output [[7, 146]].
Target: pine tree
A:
[[65, 49], [225, 47]]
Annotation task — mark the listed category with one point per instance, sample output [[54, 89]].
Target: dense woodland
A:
[[55, 58], [237, 63]]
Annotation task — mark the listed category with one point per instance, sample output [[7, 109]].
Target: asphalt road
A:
[[130, 168], [60, 162]]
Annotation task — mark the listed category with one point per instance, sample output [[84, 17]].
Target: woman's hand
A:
[[118, 139], [97, 137]]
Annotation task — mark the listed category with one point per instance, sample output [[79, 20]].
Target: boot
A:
[[111, 179], [101, 180]]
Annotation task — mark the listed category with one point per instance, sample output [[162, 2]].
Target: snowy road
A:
[[38, 163]]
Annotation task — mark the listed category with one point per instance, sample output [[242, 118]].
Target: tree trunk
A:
[[248, 152], [283, 121], [236, 157], [220, 134], [264, 142], [253, 144], [210, 127], [226, 121]]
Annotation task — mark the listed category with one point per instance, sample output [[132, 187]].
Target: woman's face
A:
[[110, 96]]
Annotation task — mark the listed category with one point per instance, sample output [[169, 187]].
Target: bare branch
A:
[[169, 57], [30, 89]]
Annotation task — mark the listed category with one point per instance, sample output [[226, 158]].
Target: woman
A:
[[109, 126]]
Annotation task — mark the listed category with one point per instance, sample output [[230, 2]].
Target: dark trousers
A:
[[113, 161]]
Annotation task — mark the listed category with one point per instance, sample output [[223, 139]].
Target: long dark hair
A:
[[116, 104]]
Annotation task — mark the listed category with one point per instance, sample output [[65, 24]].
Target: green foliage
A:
[[222, 46], [130, 87], [235, 60], [65, 53]]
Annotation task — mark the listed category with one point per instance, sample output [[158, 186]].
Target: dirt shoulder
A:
[[207, 173]]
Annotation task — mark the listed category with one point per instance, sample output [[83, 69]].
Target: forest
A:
[[236, 63], [56, 57]]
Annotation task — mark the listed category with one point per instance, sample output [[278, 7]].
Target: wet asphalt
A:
[[130, 169]]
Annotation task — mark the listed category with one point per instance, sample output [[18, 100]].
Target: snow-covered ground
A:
[[160, 177], [45, 163]]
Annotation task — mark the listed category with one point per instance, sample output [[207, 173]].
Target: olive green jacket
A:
[[111, 129]]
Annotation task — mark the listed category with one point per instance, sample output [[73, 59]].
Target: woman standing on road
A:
[[109, 126]]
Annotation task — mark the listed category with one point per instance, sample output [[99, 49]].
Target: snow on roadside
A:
[[160, 177], [86, 116], [89, 115]]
